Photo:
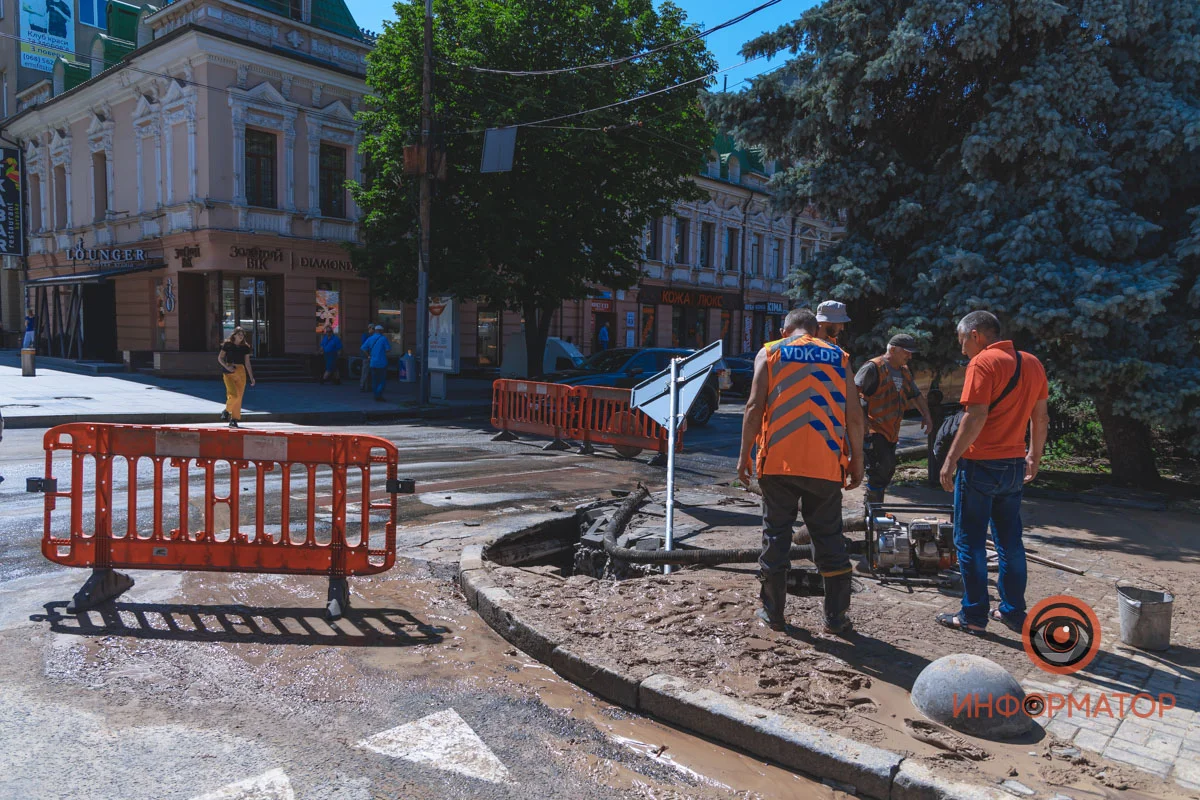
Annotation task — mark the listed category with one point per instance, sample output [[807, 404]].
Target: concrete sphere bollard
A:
[[988, 700]]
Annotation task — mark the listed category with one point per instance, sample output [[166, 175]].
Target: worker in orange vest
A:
[[805, 419], [887, 388]]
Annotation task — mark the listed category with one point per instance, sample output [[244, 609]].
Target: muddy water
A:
[[467, 656]]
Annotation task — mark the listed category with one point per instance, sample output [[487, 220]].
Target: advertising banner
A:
[[443, 335], [47, 32], [328, 310], [12, 240]]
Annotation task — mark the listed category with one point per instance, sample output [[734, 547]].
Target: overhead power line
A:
[[643, 96], [624, 59]]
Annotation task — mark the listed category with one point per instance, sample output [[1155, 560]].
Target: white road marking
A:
[[442, 740], [273, 785]]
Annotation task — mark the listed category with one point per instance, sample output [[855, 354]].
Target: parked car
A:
[[741, 373], [626, 367]]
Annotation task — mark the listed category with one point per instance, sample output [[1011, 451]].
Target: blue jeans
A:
[[378, 379], [989, 492]]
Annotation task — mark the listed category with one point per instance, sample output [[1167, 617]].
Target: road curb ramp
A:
[[872, 771]]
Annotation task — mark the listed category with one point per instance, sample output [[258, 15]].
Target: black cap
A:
[[904, 342]]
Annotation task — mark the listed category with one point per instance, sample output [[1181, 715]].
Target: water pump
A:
[[919, 547]]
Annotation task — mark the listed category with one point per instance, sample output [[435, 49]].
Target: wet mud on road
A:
[[190, 683]]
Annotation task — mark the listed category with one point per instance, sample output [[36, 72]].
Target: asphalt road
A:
[[210, 685]]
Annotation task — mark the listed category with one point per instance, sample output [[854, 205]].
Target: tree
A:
[[1035, 158], [569, 215]]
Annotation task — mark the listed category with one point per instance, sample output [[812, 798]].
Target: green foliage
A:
[[1075, 430], [569, 215], [1035, 158]]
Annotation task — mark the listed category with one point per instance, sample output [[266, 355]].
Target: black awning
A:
[[95, 276]]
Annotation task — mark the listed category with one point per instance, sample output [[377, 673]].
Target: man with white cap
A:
[[376, 347], [831, 319], [887, 389]]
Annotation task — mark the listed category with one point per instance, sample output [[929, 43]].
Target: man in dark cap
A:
[[887, 390]]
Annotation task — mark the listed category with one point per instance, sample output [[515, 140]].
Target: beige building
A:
[[715, 269], [191, 178]]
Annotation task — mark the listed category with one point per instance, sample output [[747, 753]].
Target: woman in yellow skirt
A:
[[234, 359]]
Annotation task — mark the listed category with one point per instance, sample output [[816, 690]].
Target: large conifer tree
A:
[[1035, 158]]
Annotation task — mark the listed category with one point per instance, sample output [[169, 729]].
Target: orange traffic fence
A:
[[590, 415], [247, 501]]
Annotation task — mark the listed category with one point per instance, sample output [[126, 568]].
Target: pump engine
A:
[[922, 546]]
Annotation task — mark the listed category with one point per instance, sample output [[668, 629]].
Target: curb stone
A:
[[767, 733], [599, 679], [249, 418], [915, 781], [871, 771]]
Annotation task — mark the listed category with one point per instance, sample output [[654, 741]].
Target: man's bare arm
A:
[[756, 406], [973, 420], [855, 434], [1039, 425]]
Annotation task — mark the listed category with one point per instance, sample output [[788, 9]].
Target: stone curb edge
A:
[[302, 417], [872, 771]]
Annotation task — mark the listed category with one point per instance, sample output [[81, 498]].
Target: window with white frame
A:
[[732, 249], [99, 186], [683, 233], [332, 177], [708, 233], [261, 169], [776, 255], [756, 255]]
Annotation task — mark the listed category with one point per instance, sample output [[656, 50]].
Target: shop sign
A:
[[12, 238], [257, 257], [603, 306], [691, 298], [335, 264], [770, 308], [105, 255], [186, 255]]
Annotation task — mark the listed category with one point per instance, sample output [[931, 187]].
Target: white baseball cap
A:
[[832, 311]]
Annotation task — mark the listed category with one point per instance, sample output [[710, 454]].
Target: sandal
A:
[[952, 621], [1006, 621]]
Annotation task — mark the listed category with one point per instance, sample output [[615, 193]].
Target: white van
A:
[[560, 354]]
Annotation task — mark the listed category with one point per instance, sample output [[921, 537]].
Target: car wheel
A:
[[702, 410]]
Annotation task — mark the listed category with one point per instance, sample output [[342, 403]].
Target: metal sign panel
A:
[[47, 31], [12, 237], [499, 144], [653, 396]]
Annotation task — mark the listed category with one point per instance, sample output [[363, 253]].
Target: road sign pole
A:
[[674, 423]]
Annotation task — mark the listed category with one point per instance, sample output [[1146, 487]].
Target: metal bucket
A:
[[1145, 615]]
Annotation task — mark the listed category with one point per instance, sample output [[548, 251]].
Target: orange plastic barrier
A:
[[606, 418], [541, 409], [221, 540], [589, 414]]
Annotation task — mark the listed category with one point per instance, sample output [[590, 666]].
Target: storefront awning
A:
[[93, 276]]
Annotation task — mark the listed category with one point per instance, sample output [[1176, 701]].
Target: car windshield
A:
[[607, 360]]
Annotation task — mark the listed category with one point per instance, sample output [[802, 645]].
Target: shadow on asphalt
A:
[[359, 627]]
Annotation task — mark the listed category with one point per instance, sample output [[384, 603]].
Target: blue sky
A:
[[725, 44]]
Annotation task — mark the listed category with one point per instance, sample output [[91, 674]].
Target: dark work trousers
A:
[[881, 465], [819, 502]]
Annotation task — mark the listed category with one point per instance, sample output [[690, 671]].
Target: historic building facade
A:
[[715, 269], [192, 178]]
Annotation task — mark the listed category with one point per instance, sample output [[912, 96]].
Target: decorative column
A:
[[314, 154], [158, 183], [239, 155], [289, 162], [137, 146], [193, 192], [170, 148]]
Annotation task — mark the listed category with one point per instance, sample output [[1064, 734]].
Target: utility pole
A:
[[426, 208]]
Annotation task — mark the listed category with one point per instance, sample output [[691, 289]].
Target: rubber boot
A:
[[773, 594], [837, 603]]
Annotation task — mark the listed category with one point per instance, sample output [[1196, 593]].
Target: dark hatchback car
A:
[[626, 367]]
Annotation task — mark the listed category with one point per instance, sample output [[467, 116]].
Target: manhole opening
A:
[[576, 547]]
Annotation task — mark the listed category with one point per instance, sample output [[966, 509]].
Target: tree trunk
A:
[[1129, 449], [537, 330]]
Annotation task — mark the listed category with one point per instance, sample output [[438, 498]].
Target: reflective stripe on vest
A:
[[804, 425], [885, 408]]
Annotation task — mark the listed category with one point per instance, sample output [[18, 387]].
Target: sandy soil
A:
[[698, 624]]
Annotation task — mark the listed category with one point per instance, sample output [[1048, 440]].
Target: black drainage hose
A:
[[748, 555]]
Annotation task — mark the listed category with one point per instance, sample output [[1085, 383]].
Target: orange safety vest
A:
[[804, 426], [885, 408]]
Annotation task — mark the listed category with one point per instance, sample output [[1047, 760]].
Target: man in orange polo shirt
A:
[[987, 467]]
